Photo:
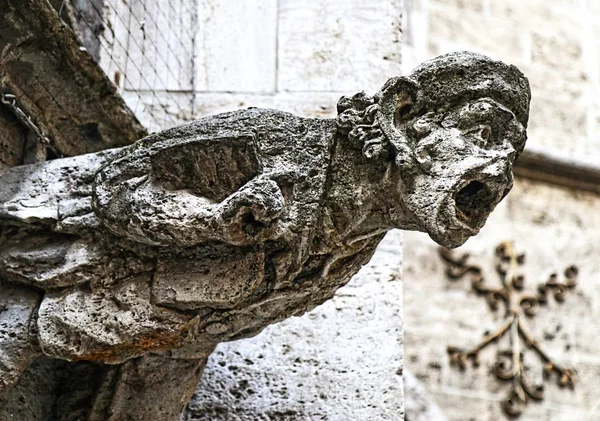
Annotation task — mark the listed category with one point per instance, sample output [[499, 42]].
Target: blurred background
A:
[[184, 59]]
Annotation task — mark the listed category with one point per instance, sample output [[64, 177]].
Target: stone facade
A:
[[294, 56], [556, 45], [342, 361], [553, 226]]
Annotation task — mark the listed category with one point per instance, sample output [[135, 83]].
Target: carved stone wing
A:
[[186, 190], [211, 167]]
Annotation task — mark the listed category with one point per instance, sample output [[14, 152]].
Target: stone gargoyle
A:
[[211, 231]]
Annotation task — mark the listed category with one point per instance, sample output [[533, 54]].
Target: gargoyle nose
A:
[[497, 169]]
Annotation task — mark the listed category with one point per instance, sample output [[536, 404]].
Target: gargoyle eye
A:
[[485, 133], [480, 135]]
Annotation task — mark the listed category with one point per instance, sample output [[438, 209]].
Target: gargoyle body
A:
[[211, 231]]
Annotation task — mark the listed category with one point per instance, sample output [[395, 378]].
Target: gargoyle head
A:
[[453, 129]]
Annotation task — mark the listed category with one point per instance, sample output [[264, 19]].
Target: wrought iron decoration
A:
[[509, 364]]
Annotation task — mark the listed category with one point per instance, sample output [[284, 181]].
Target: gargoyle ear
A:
[[396, 100], [397, 103]]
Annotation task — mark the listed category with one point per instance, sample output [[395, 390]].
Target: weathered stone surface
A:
[[341, 361], [17, 306], [114, 326], [12, 140], [243, 58], [34, 397], [419, 405], [554, 226], [332, 45], [57, 82], [153, 387], [123, 243]]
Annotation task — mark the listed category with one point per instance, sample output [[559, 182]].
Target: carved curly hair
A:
[[357, 120]]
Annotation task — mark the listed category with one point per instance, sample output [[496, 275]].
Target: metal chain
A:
[[11, 102]]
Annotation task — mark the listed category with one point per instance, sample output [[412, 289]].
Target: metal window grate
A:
[[146, 47]]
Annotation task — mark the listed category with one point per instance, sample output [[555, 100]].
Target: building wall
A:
[[556, 44], [555, 227], [299, 56], [190, 58]]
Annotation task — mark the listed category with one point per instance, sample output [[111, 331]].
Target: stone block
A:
[[591, 146], [160, 110], [236, 46], [426, 358], [113, 50], [557, 124], [533, 12], [471, 5], [159, 46], [418, 404], [587, 333], [338, 45], [558, 49], [12, 140], [549, 82], [464, 406], [455, 30]]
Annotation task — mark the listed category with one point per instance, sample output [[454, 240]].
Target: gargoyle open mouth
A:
[[474, 201]]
